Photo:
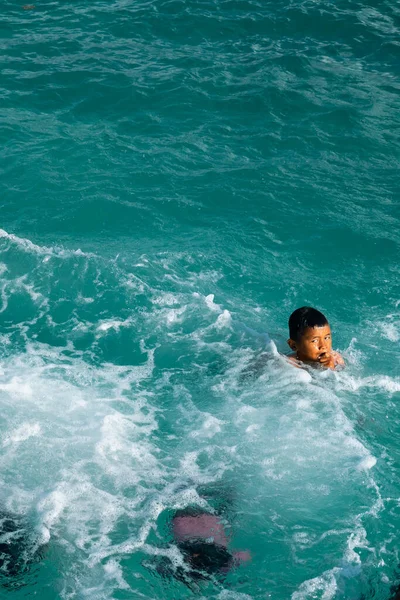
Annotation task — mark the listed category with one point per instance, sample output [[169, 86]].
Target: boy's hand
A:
[[327, 360], [338, 359], [330, 361]]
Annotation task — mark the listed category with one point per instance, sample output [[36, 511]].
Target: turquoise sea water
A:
[[176, 178]]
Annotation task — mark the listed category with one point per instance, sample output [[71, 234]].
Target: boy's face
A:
[[315, 345]]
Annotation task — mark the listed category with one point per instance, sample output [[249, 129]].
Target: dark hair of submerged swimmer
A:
[[202, 540], [303, 318]]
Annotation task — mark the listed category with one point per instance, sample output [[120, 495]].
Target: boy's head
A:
[[201, 538], [310, 335]]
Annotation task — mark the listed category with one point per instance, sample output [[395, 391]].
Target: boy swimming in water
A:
[[311, 339], [202, 538], [203, 541]]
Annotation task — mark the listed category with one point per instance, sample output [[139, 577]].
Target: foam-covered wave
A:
[[141, 412], [177, 177], [113, 448]]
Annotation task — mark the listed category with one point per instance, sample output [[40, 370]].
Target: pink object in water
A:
[[242, 556], [199, 527]]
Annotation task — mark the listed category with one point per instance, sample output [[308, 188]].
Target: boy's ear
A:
[[292, 344]]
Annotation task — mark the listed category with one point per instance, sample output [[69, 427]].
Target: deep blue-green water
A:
[[176, 178]]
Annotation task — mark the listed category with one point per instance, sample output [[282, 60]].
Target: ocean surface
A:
[[176, 178]]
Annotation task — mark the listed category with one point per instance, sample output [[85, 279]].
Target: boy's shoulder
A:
[[292, 358], [338, 360]]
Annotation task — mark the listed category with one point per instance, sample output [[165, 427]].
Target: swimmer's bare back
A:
[[207, 527], [202, 526]]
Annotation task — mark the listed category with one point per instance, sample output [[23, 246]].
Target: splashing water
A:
[[177, 178]]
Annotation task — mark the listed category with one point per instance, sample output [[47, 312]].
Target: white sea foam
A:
[[210, 427], [224, 319], [124, 451], [231, 595], [114, 324], [27, 245], [22, 433], [367, 463], [383, 382], [24, 243], [211, 304], [84, 450], [167, 299], [174, 315], [114, 572], [391, 331], [323, 586]]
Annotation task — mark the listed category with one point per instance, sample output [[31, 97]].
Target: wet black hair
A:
[[203, 562], [204, 556], [191, 511], [302, 318]]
